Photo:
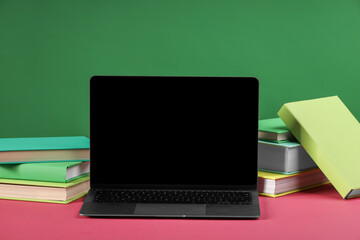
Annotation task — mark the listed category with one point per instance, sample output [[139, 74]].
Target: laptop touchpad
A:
[[169, 209]]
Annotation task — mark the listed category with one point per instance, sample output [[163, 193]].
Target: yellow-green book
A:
[[331, 136], [39, 191]]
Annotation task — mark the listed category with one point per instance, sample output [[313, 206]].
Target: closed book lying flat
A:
[[286, 158], [45, 184], [44, 191], [275, 185], [44, 149], [274, 130], [45, 200], [331, 135], [49, 172]]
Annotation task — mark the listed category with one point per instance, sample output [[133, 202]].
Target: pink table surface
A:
[[318, 213]]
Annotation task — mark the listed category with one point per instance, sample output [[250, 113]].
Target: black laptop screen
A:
[[173, 131]]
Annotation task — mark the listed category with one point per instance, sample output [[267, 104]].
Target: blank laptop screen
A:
[[173, 131]]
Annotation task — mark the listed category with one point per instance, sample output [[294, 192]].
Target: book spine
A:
[[33, 172], [315, 151]]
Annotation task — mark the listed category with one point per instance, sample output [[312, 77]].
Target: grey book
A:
[[286, 158]]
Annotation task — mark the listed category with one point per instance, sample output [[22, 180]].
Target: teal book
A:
[[60, 172], [274, 130], [44, 149]]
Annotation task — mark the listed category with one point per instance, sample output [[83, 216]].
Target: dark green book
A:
[[274, 130], [44, 149]]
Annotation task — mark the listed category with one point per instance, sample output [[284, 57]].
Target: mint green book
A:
[[44, 149], [330, 134], [44, 143], [274, 130], [39, 191], [50, 172]]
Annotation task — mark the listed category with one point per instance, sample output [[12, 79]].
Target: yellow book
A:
[[331, 136], [275, 184], [293, 191]]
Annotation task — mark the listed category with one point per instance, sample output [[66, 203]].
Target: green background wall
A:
[[49, 49]]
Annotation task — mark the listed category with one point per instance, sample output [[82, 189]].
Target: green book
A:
[[44, 184], [274, 130], [44, 149], [331, 135], [49, 172], [39, 191]]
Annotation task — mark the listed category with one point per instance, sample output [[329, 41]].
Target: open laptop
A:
[[173, 147]]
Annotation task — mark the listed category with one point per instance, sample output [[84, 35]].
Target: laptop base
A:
[[165, 210]]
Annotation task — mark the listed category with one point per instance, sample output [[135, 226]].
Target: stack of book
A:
[[284, 165], [45, 169]]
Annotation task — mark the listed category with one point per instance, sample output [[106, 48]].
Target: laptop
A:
[[173, 147]]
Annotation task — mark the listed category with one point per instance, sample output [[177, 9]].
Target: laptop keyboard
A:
[[173, 196]]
